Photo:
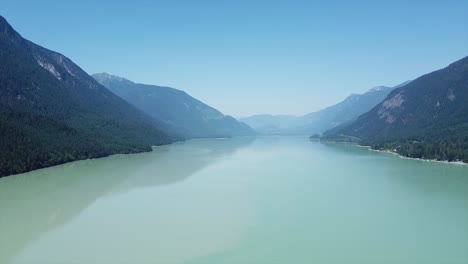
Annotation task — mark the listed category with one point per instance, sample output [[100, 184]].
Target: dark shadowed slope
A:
[[175, 108], [52, 112], [428, 118]]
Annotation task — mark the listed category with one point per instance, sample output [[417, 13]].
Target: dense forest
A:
[[52, 112], [444, 147], [427, 118]]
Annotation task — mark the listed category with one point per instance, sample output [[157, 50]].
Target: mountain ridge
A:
[[320, 121], [175, 109]]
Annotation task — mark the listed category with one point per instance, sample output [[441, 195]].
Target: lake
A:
[[238, 201]]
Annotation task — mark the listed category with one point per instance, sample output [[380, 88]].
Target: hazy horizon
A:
[[248, 58]]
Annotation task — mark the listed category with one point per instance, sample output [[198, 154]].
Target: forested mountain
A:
[[52, 112], [175, 109], [318, 122], [427, 118]]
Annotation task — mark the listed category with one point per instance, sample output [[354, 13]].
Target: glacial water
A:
[[239, 201]]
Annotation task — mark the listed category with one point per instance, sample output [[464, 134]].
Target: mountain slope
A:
[[52, 112], [427, 118], [347, 110], [318, 122], [175, 109]]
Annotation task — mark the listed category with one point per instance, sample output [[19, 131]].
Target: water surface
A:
[[240, 200]]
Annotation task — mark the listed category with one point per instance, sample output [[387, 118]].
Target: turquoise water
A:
[[242, 200]]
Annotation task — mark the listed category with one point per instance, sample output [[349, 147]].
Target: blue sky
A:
[[252, 57]]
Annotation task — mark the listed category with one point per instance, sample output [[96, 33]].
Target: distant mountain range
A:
[[267, 124], [175, 110], [318, 122], [427, 118]]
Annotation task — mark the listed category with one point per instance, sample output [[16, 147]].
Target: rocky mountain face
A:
[[427, 118]]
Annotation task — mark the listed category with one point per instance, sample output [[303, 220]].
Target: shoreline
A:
[[91, 158], [398, 154], [411, 158], [116, 154]]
